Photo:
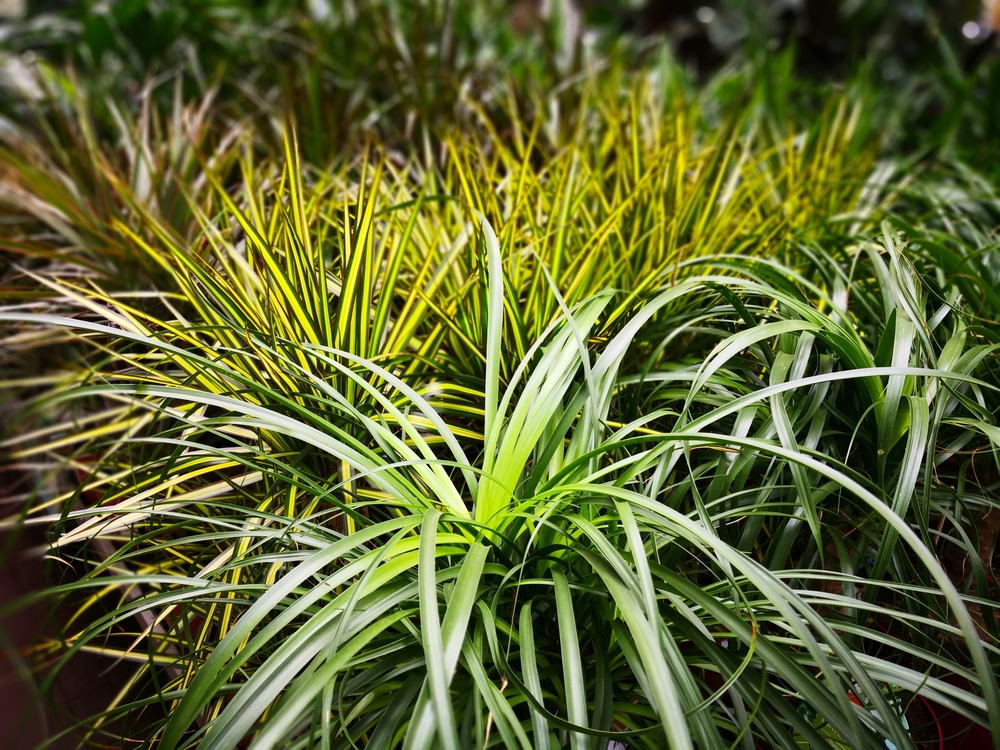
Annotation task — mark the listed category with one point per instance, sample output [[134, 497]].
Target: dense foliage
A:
[[524, 396]]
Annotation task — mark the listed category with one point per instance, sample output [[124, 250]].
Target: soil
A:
[[83, 688]]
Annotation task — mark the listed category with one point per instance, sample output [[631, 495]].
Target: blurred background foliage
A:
[[615, 141], [343, 66]]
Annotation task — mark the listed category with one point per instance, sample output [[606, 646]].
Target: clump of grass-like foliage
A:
[[637, 423]]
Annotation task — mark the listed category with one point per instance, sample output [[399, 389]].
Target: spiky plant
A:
[[680, 456], [635, 178], [677, 531]]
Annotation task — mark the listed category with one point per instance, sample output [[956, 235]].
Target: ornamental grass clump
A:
[[631, 424]]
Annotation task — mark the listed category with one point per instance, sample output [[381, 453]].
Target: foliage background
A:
[[428, 374]]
